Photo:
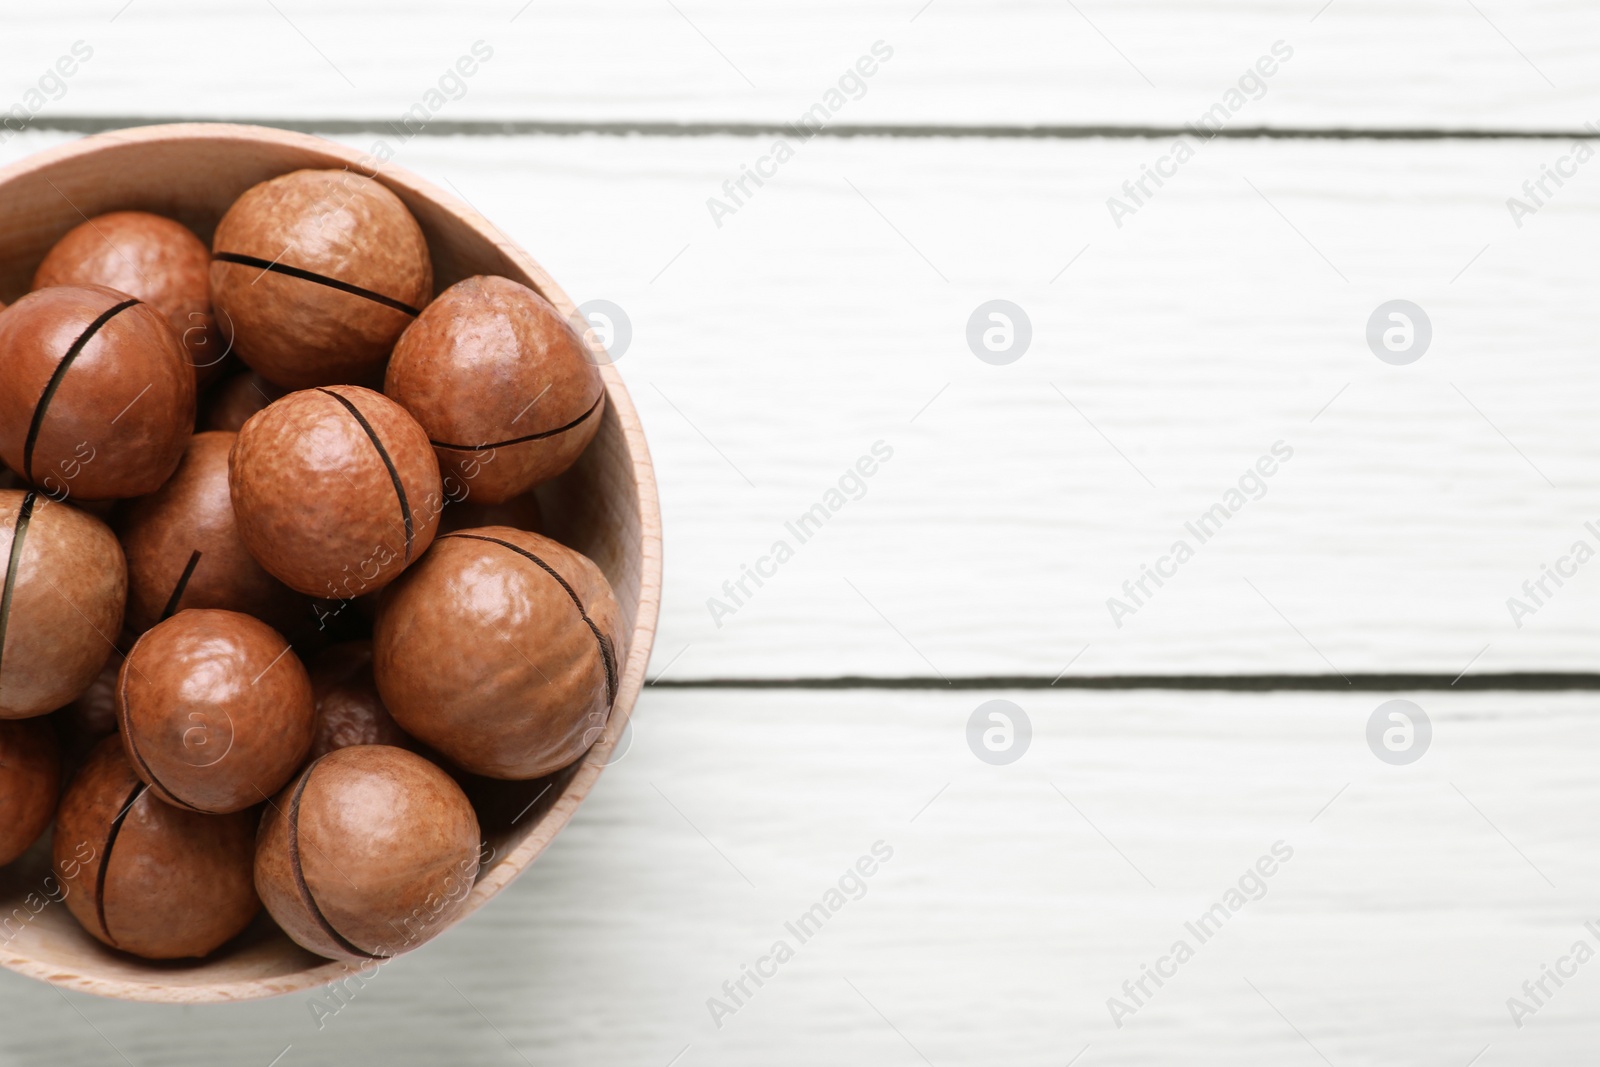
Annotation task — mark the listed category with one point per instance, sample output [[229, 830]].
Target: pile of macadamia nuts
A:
[[275, 594]]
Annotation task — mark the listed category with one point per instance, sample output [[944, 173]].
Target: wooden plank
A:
[[1228, 314], [1016, 902], [1354, 63]]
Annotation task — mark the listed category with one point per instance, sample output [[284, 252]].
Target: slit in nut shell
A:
[[184, 551], [319, 272], [370, 852], [99, 398], [503, 385], [146, 877], [64, 587], [154, 259], [500, 649], [336, 490]]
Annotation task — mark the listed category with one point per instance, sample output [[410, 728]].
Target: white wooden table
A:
[[828, 312]]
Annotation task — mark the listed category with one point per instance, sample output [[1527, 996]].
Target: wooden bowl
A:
[[606, 507]]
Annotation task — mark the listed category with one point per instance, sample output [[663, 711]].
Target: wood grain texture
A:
[[1412, 63], [608, 511], [769, 354], [1006, 916]]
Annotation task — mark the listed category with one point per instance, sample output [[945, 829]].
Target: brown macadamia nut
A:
[[319, 272], [443, 666], [233, 400], [98, 399], [370, 853], [215, 709], [30, 780], [184, 549], [146, 877], [61, 601], [336, 490], [90, 719], [153, 259], [520, 513], [502, 384], [349, 709]]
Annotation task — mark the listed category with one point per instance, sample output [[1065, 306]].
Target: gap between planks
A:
[[87, 124], [1505, 681]]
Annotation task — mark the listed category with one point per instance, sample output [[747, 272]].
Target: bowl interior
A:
[[605, 507]]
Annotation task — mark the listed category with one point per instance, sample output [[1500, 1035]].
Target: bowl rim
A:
[[647, 500]]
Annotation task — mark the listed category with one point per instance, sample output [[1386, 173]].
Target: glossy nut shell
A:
[[500, 650], [336, 490], [369, 853], [319, 272], [501, 383], [155, 259], [146, 877], [184, 549], [98, 399], [30, 780], [215, 710], [63, 583]]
